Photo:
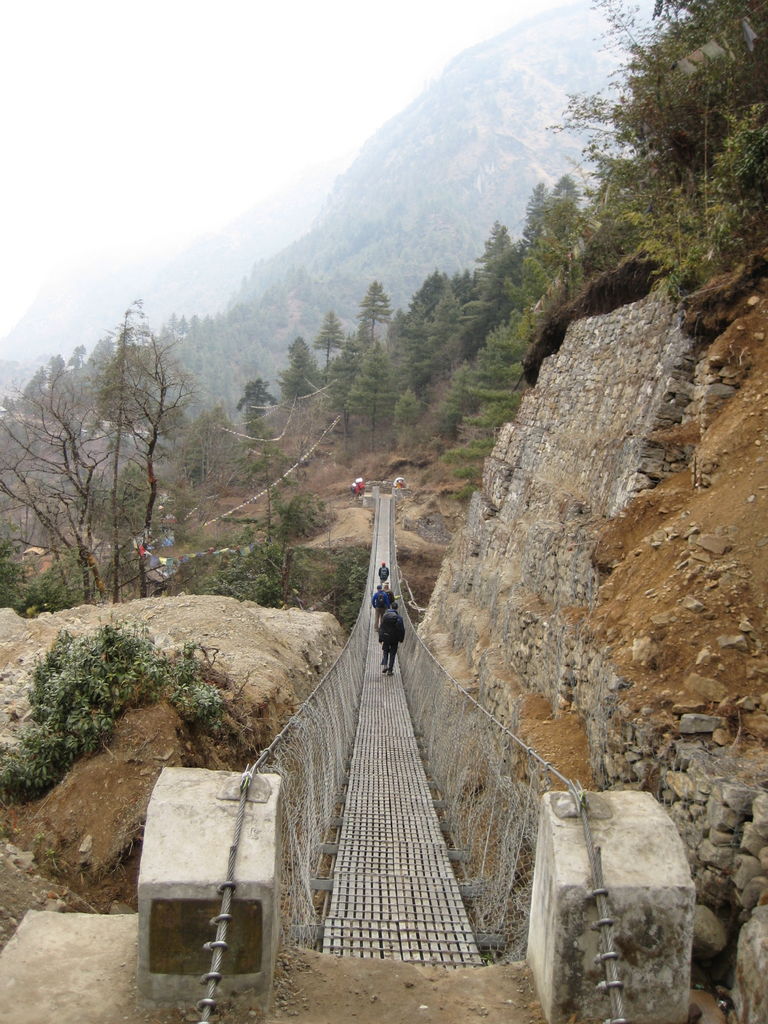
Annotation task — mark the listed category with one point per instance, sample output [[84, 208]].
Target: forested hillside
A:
[[422, 195], [678, 196]]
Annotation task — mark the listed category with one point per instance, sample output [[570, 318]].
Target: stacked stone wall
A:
[[516, 583], [578, 451]]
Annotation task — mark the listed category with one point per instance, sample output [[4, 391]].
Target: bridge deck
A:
[[395, 894]]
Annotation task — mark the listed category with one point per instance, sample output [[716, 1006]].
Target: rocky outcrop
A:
[[274, 654], [751, 995]]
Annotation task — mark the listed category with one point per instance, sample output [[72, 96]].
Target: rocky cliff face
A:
[[614, 562]]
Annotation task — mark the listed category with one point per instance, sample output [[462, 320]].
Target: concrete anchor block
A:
[[651, 898], [187, 839]]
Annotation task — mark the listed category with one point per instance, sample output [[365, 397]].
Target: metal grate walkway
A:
[[394, 894]]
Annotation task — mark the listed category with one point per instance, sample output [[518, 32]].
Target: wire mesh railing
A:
[[490, 791], [310, 755], [490, 785]]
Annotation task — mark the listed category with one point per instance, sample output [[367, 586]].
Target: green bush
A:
[[256, 576], [80, 689], [51, 590], [350, 581]]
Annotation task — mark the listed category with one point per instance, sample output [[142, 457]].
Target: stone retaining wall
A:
[[518, 579]]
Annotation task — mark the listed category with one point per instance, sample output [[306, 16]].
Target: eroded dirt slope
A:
[[683, 604]]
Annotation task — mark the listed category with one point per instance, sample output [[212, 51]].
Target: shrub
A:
[[256, 576], [51, 590], [80, 689]]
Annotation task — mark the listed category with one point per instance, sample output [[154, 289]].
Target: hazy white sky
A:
[[128, 124]]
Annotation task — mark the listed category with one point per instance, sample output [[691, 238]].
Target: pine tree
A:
[[255, 401], [373, 393], [534, 214], [407, 412], [498, 271], [561, 225], [330, 338], [301, 376], [342, 374], [374, 309]]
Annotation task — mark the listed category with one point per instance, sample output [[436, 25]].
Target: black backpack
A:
[[380, 601], [389, 624]]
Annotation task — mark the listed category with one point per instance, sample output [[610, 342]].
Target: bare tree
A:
[[159, 390], [113, 392], [142, 391], [211, 452], [52, 455], [79, 450]]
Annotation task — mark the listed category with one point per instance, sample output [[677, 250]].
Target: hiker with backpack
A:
[[383, 572], [380, 602], [391, 633]]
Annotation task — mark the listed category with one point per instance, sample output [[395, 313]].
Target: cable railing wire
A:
[[310, 755]]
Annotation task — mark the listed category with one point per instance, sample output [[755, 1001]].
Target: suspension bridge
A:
[[380, 843], [394, 890], [408, 823]]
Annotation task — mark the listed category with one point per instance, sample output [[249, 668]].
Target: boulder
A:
[[751, 990], [681, 785], [756, 724], [747, 868], [733, 642], [705, 687], [753, 891], [716, 856], [751, 840], [738, 796], [709, 934], [721, 817], [760, 814], [691, 724], [712, 543], [644, 651]]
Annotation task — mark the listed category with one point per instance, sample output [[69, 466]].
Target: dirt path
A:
[[317, 989]]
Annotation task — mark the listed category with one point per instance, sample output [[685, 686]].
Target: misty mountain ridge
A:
[[81, 307], [422, 195]]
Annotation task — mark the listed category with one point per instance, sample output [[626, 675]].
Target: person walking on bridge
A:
[[383, 572], [380, 602], [391, 633]]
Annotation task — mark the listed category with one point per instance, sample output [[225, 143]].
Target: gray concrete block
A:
[[187, 839], [651, 897]]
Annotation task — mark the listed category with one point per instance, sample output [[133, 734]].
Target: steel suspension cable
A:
[[218, 945]]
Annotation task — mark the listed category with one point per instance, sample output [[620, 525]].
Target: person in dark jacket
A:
[[383, 572], [391, 633], [380, 603]]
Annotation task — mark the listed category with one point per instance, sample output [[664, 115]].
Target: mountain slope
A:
[[82, 308], [466, 153], [423, 193]]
